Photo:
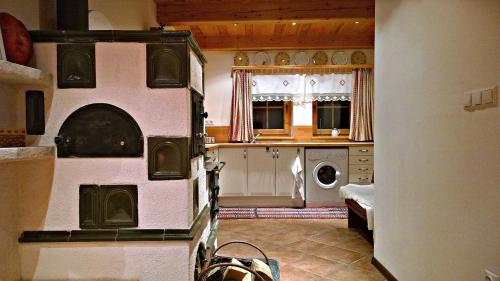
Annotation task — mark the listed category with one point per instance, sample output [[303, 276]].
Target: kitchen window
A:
[[272, 117], [331, 114]]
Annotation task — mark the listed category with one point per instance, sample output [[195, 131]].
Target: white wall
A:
[[218, 86], [126, 14], [9, 256], [24, 10], [122, 14], [437, 166]]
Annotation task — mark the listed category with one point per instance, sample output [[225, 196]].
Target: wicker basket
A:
[[215, 261]]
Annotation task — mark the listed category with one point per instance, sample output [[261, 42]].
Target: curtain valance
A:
[[302, 87]]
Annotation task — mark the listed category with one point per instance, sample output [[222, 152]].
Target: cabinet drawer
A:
[[357, 169], [361, 160], [360, 178], [361, 150]]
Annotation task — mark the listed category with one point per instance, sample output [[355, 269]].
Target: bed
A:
[[360, 203]]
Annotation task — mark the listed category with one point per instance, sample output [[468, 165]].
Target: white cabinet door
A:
[[285, 157], [261, 171], [233, 177]]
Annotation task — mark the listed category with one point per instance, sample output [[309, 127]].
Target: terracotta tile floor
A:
[[308, 250]]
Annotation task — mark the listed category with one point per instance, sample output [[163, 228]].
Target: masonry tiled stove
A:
[[129, 197]]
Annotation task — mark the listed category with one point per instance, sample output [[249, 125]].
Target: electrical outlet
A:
[[490, 276]]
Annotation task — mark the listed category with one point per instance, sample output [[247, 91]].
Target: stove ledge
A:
[[14, 154]]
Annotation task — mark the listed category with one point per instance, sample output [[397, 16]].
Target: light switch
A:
[[476, 98], [480, 99], [487, 96]]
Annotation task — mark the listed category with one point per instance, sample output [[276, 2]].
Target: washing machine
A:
[[326, 171]]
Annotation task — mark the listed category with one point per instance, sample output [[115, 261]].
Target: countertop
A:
[[289, 144]]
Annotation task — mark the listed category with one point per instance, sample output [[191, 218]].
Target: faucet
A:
[[255, 138]]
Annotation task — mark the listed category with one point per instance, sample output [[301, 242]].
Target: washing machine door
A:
[[326, 175]]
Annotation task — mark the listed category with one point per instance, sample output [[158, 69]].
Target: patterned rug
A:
[[283, 213]]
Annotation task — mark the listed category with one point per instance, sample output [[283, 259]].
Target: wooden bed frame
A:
[[357, 219]]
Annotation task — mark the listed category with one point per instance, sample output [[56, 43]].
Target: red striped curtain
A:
[[362, 104], [241, 124]]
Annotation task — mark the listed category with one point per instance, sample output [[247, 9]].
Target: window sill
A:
[[263, 138], [339, 138]]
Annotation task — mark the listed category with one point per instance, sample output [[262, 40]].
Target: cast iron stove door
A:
[[99, 130], [197, 124], [108, 206], [168, 158]]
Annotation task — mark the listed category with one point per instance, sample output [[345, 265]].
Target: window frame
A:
[[287, 122], [325, 132]]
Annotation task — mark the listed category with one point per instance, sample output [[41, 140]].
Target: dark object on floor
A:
[[215, 266], [283, 213], [16, 39], [357, 219]]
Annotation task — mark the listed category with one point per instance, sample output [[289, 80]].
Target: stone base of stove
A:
[[132, 260], [115, 261]]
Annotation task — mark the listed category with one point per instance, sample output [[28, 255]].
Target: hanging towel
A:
[[298, 176]]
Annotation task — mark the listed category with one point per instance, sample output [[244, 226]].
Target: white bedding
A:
[[364, 195]]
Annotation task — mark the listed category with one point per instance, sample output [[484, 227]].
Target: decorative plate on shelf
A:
[[261, 58], [301, 58], [358, 57], [241, 59], [320, 58], [282, 58], [340, 58]]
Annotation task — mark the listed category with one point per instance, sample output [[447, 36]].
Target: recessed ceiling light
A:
[[294, 23], [235, 24], [356, 22]]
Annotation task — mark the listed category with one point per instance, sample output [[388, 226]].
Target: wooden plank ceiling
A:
[[272, 24]]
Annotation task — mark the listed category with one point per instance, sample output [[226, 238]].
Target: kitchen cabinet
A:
[[261, 171], [361, 165], [233, 179], [285, 158], [258, 171]]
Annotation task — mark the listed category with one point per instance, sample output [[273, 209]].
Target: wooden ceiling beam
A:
[[249, 30], [274, 43], [278, 30], [189, 12]]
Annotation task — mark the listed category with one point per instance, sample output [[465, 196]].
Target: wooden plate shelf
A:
[[302, 69]]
